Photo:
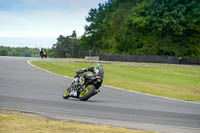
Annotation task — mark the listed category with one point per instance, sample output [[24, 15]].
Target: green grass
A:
[[16, 122], [173, 82]]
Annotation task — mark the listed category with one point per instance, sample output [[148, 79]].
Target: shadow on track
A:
[[88, 101]]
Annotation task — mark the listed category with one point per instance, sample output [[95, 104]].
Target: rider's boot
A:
[[75, 93]]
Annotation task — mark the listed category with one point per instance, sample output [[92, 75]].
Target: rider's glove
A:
[[79, 72]]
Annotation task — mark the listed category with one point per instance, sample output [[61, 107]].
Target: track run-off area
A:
[[29, 89]]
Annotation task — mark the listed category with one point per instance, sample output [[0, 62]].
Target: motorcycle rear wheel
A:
[[89, 91]]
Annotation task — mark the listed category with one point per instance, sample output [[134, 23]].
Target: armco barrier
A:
[[140, 58], [190, 61]]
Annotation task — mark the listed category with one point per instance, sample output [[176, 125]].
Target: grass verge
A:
[[16, 122], [173, 82]]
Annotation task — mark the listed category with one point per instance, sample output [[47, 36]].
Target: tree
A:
[[156, 27], [3, 52], [66, 46], [19, 51], [94, 32], [172, 24]]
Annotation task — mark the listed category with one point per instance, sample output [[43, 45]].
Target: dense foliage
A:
[[142, 27], [19, 51], [67, 47], [156, 27]]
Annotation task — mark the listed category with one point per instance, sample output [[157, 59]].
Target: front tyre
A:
[[66, 93], [89, 91]]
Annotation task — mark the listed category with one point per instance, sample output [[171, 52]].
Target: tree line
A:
[[135, 27], [19, 51], [142, 27], [67, 46]]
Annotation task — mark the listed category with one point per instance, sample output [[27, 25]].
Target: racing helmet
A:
[[98, 65]]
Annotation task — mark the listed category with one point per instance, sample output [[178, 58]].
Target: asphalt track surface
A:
[[29, 89]]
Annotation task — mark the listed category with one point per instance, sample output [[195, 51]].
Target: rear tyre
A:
[[66, 93], [89, 91]]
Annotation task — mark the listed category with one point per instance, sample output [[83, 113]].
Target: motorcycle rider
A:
[[97, 70], [41, 52], [45, 53]]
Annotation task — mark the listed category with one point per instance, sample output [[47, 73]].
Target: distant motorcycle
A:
[[82, 88], [43, 53]]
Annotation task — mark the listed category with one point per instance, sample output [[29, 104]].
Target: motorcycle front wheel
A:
[[66, 93]]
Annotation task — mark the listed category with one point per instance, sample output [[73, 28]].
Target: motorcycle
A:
[[43, 54], [82, 88]]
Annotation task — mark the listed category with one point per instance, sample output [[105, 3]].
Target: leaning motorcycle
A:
[[82, 88]]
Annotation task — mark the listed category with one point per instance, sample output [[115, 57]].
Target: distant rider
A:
[[41, 52]]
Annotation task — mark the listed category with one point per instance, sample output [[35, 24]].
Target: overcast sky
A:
[[36, 23]]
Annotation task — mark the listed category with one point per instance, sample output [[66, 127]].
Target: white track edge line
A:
[[28, 61]]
